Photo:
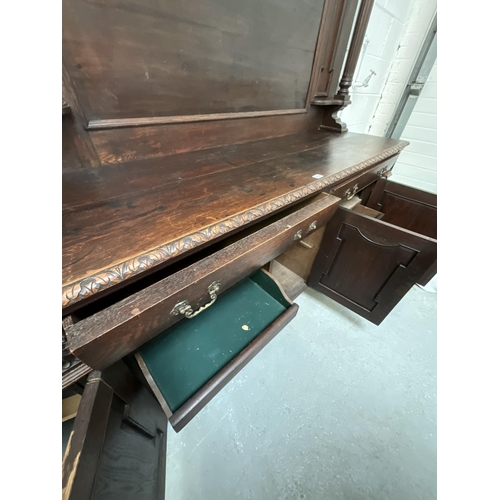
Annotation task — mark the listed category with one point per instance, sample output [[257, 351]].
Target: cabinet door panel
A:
[[117, 449], [406, 207], [368, 265]]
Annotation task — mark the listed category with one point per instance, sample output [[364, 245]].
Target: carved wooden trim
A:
[[77, 370], [79, 290], [163, 120]]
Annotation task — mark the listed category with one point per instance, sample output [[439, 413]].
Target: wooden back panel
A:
[[165, 58], [150, 78]]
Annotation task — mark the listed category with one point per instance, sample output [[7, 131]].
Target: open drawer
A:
[[348, 189], [108, 335], [191, 362], [368, 264]]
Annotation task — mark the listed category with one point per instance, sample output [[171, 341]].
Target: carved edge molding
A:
[[77, 371], [79, 290]]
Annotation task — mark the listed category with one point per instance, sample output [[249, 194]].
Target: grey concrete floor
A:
[[333, 408]]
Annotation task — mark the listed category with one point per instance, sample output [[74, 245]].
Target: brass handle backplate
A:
[[384, 173], [349, 195], [185, 309]]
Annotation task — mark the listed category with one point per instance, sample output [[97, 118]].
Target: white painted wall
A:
[[395, 34], [385, 31], [417, 164], [396, 31], [419, 19], [393, 39]]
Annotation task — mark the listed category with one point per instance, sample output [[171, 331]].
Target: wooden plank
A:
[[407, 207], [299, 259], [121, 221], [118, 445], [70, 407], [151, 60], [368, 265], [292, 284], [110, 334], [362, 209]]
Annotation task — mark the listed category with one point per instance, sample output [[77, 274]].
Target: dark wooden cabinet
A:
[[117, 449], [201, 142], [235, 329], [368, 263]]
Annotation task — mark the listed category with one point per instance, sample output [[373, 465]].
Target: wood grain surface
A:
[[119, 221], [106, 336], [164, 58]]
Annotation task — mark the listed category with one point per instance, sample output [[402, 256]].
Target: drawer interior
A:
[[406, 207], [362, 209], [108, 335], [182, 360], [401, 206]]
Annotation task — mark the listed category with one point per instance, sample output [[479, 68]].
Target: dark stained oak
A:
[[192, 156], [168, 58], [360, 182], [122, 145], [368, 265], [407, 207], [106, 336], [74, 373], [299, 257], [362, 209], [120, 221], [118, 446]]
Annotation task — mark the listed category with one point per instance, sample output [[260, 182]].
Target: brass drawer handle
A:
[[185, 309], [349, 195], [384, 173]]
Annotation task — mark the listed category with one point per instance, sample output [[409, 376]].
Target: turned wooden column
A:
[[342, 98], [355, 48]]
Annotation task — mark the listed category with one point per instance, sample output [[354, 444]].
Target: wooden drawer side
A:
[[108, 335], [191, 362]]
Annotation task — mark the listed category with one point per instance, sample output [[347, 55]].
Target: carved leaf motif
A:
[[90, 285]]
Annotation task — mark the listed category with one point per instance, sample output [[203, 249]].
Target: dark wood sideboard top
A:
[[120, 221]]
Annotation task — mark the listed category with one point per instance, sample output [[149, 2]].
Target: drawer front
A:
[[189, 364], [348, 189], [108, 335]]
